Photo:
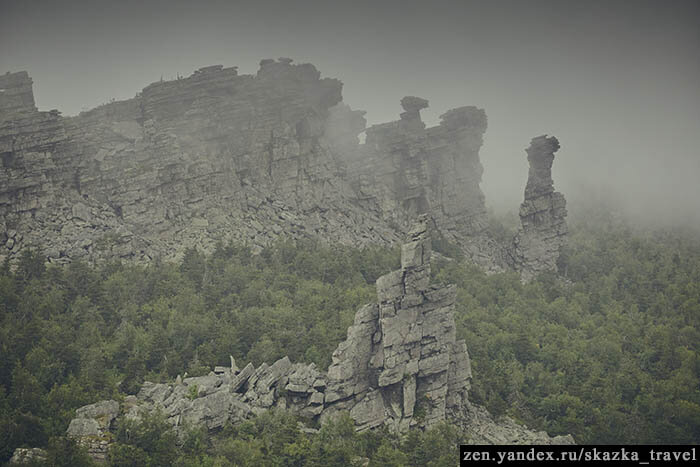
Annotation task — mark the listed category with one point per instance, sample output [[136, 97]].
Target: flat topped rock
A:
[[102, 409], [542, 214], [464, 117], [413, 103], [543, 145]]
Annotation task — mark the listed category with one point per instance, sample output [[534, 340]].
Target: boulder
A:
[[28, 456]]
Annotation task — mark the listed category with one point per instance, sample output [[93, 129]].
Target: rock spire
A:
[[542, 214]]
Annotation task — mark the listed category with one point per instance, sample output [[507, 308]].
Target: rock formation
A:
[[222, 156], [401, 366], [401, 356], [31, 456], [91, 427], [542, 213], [214, 156], [405, 169]]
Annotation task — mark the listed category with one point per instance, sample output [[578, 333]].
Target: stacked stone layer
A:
[[222, 156], [215, 156], [542, 214], [401, 355]]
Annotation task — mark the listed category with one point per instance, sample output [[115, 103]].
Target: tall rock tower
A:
[[401, 364], [542, 213]]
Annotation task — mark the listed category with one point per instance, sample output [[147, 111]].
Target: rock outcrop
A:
[[249, 158], [401, 366], [542, 213], [215, 156], [30, 456], [405, 169], [91, 427]]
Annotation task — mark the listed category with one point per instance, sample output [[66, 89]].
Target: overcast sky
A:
[[618, 82]]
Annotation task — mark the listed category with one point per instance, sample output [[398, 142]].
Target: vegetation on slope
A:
[[610, 354]]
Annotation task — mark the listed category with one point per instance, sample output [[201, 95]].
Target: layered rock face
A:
[[214, 156], [405, 169], [91, 427], [542, 213], [251, 158], [31, 456], [222, 156], [401, 366]]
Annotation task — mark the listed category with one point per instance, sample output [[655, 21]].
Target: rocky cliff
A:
[[401, 366], [215, 156], [542, 214], [405, 169], [250, 158]]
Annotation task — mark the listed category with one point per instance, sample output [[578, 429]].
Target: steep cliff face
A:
[[187, 162], [542, 213], [405, 169], [16, 93], [250, 158], [401, 367]]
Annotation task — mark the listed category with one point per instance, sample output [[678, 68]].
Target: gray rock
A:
[[316, 398], [543, 230], [155, 393], [28, 456], [304, 378], [211, 411], [81, 212], [369, 411], [481, 428], [91, 427], [241, 378], [278, 155], [406, 347], [104, 412], [79, 427], [205, 384]]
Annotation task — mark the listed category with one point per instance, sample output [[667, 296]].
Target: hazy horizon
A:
[[618, 83]]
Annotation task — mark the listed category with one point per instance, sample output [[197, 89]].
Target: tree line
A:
[[608, 351]]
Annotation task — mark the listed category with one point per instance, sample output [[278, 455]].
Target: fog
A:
[[617, 82]]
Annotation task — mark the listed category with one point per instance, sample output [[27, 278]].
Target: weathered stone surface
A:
[[155, 393], [414, 355], [91, 427], [241, 378], [204, 384], [211, 410], [304, 379], [83, 427], [542, 213], [104, 411], [481, 428], [250, 158], [16, 95], [405, 169], [214, 156], [349, 372], [28, 456]]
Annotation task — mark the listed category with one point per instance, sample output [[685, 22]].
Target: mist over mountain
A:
[[363, 233], [615, 81]]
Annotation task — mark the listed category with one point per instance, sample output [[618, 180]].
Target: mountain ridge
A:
[[219, 156]]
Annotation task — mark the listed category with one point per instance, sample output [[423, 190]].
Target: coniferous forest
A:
[[606, 351]]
